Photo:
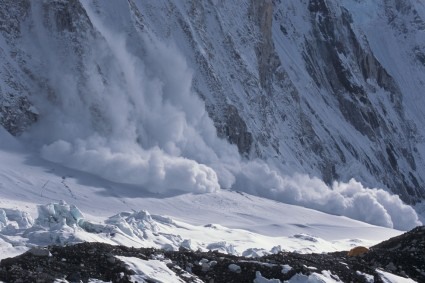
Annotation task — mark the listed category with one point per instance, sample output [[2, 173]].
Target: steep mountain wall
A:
[[324, 87]]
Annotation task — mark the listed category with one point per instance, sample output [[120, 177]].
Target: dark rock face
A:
[[12, 14], [22, 83], [16, 114], [335, 40], [234, 130], [65, 17], [15, 108], [268, 61], [72, 263], [402, 255]]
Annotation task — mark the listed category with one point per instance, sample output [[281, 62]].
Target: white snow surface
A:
[[391, 278], [369, 278], [260, 279], [323, 277], [44, 203], [153, 270]]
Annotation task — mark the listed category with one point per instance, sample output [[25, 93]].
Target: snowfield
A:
[[44, 203]]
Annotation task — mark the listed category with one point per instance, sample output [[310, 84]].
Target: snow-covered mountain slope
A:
[[44, 203], [229, 222], [328, 88], [141, 93]]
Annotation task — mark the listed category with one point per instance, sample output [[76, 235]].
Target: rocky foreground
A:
[[403, 255]]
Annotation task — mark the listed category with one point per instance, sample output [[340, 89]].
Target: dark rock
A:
[[235, 130], [402, 255]]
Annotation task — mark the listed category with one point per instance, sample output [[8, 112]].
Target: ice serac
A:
[[324, 87]]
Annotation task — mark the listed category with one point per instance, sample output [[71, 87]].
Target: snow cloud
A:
[[133, 119], [129, 115], [351, 199]]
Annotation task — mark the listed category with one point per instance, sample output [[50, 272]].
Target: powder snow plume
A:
[[128, 113]]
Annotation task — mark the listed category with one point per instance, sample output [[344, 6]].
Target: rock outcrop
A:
[[401, 255]]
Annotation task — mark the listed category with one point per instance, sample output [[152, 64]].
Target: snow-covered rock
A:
[[113, 263]]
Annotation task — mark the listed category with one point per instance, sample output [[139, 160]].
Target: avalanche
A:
[[134, 118], [44, 203], [142, 132]]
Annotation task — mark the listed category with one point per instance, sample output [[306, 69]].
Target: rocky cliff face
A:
[[328, 88]]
